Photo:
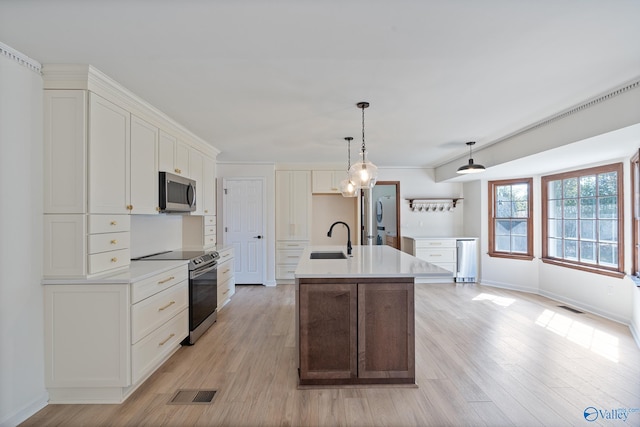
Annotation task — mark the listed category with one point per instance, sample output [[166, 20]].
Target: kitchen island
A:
[[355, 315]]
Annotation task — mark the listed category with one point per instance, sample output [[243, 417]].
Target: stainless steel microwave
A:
[[177, 193]]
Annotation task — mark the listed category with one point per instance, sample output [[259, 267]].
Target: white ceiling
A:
[[277, 81]]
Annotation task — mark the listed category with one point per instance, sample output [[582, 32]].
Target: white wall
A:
[[420, 183], [22, 391], [267, 171]]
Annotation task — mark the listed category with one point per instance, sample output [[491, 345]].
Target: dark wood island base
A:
[[355, 331]]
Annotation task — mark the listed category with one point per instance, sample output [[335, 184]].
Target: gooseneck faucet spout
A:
[[348, 234]]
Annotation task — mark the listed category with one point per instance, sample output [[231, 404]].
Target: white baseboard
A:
[[26, 412]]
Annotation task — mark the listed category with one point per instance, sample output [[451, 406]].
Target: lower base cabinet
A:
[[356, 332], [103, 340]]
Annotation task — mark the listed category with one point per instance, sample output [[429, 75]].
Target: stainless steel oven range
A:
[[203, 288]]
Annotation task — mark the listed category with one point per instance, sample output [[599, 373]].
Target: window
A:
[[511, 219], [582, 219], [635, 217]]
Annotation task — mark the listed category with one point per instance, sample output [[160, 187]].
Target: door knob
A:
[[257, 237]]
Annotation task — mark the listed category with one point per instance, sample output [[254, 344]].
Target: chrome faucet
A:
[[348, 234]]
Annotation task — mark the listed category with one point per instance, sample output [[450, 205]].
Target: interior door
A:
[[243, 200]]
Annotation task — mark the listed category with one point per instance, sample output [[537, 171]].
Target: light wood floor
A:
[[483, 357]]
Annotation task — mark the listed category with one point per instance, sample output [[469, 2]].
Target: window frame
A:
[[577, 264], [492, 236], [635, 213]]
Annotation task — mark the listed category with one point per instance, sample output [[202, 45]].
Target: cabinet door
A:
[[327, 182], [328, 325], [196, 173], [386, 345], [109, 139], [181, 159], [65, 137], [166, 153], [87, 335], [293, 201], [209, 186], [144, 167]]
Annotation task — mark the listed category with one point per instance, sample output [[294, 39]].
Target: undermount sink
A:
[[327, 255]]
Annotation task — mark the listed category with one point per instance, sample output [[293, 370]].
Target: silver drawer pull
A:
[[168, 338], [165, 280], [292, 256], [435, 255], [166, 306]]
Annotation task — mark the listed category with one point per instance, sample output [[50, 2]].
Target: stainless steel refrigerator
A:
[[466, 260]]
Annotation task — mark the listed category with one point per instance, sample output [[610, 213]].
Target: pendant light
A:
[[470, 167], [364, 173], [347, 187]]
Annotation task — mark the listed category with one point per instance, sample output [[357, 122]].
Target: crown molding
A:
[[20, 58]]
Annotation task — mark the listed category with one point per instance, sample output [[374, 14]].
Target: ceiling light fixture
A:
[[347, 187], [470, 167], [364, 173]]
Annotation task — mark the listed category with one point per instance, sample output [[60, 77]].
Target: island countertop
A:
[[366, 261]]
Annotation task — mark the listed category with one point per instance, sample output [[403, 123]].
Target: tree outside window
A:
[[510, 218]]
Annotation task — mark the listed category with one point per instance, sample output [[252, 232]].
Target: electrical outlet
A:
[[609, 289]]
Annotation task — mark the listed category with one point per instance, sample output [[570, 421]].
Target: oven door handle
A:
[[200, 272]]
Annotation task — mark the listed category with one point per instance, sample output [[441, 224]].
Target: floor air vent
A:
[[193, 397], [570, 309]]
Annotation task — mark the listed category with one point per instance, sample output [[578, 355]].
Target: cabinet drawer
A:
[[451, 266], [285, 271], [436, 243], [147, 287], [149, 314], [288, 256], [225, 254], [209, 230], [225, 271], [210, 220], [109, 223], [108, 261], [209, 241], [149, 352], [224, 291], [108, 242], [292, 245], [437, 255]]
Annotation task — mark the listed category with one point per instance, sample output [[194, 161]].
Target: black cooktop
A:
[[196, 258]]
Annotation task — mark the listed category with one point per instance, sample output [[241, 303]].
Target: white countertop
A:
[[366, 261], [138, 270]]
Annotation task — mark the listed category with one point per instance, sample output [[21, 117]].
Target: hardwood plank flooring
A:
[[484, 356]]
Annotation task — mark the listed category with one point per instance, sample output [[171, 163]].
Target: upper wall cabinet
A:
[[327, 182], [109, 145], [209, 186], [144, 167], [65, 134], [293, 205], [196, 173], [174, 155]]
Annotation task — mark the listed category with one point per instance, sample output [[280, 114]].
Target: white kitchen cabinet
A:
[[102, 340], [65, 245], [209, 186], [439, 251], [288, 254], [327, 182], [293, 220], [144, 167], [108, 154], [199, 232], [173, 155], [65, 151], [293, 205], [196, 172], [226, 276]]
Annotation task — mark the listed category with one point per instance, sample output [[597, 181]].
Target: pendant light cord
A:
[[364, 148]]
